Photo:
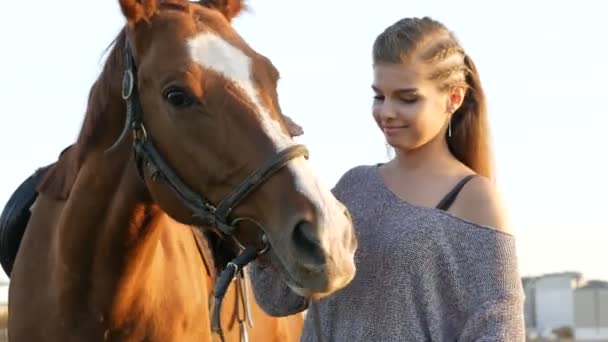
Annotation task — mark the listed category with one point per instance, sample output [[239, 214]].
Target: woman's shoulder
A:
[[481, 203], [358, 183], [356, 174]]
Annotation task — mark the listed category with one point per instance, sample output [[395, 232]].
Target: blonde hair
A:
[[434, 43]]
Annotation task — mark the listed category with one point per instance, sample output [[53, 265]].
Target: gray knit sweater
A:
[[422, 275]]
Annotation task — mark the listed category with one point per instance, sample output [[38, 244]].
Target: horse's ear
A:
[[294, 129], [229, 8], [138, 10]]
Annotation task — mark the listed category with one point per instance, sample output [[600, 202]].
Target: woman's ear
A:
[[455, 98]]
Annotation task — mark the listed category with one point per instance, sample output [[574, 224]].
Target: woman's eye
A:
[[409, 99], [178, 98], [378, 98]]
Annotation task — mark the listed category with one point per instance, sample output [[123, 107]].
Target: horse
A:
[[183, 137]]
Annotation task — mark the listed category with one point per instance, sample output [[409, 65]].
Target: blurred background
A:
[[544, 66]]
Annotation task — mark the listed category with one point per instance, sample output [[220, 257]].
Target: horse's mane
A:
[[59, 179]]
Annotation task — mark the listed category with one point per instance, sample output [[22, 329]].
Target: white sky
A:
[[544, 66]]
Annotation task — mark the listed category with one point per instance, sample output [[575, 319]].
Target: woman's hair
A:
[[431, 42]]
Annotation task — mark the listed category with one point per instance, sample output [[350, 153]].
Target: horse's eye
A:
[[178, 97]]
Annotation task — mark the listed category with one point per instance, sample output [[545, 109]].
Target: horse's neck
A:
[[109, 225], [121, 254], [108, 208], [111, 210]]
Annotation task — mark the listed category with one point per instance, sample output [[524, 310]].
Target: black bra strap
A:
[[447, 201]]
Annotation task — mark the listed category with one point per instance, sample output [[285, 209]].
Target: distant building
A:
[[591, 311], [558, 300], [550, 301], [530, 303]]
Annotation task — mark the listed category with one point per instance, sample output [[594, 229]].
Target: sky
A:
[[542, 63]]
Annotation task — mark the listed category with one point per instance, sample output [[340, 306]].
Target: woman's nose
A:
[[386, 110]]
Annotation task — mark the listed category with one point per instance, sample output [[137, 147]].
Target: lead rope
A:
[[232, 269]]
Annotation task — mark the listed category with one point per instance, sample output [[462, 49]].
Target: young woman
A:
[[436, 258]]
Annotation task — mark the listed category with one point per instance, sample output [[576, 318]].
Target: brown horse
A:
[[109, 253]]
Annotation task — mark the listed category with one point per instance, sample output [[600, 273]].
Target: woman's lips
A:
[[393, 129]]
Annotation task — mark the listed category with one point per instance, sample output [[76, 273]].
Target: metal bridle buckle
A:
[[265, 242], [128, 81], [234, 266], [260, 252], [139, 132]]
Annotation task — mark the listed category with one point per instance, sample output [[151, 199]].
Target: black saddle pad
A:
[[14, 218]]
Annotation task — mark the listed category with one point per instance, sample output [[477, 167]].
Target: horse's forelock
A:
[[229, 8], [138, 10]]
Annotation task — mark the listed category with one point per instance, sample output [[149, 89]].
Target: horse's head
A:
[[209, 106]]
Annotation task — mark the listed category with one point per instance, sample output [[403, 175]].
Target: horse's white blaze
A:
[[214, 53]]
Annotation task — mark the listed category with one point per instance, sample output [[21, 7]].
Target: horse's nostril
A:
[[308, 244]]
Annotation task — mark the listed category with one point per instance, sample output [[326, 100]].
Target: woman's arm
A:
[[494, 284], [500, 319]]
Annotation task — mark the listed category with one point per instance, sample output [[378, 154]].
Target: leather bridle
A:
[[217, 217]]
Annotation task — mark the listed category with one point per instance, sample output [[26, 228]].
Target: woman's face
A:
[[409, 109]]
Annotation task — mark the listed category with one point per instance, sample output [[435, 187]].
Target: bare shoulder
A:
[[480, 202]]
